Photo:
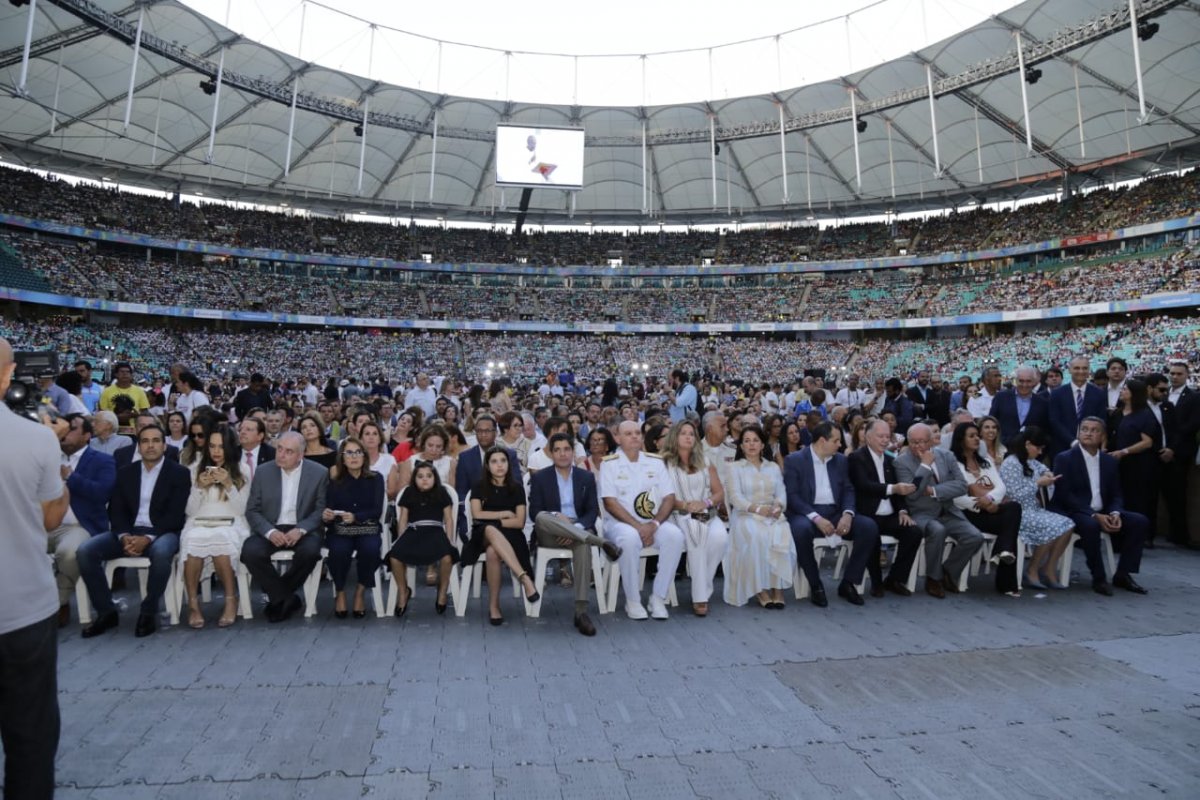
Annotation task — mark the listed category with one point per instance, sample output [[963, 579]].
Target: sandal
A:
[[700, 609], [195, 618], [228, 618]]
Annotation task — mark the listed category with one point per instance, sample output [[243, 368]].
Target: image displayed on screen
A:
[[539, 157]]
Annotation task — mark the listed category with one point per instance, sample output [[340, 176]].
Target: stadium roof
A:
[[1084, 112]]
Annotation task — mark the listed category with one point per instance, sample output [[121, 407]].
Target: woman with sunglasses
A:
[[353, 505]]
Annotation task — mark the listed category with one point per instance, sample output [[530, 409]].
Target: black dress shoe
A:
[[950, 586], [584, 625], [1102, 587], [64, 616], [896, 587], [611, 550], [847, 592], [102, 623], [1127, 583], [877, 589], [341, 614], [146, 625], [439, 607], [497, 621], [818, 597], [290, 606], [271, 612], [359, 614]]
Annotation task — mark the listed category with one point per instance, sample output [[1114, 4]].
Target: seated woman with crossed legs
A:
[[498, 510]]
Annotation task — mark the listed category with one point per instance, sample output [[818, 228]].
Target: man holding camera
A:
[[35, 501]]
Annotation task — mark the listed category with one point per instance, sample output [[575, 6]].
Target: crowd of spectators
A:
[[93, 206], [322, 354]]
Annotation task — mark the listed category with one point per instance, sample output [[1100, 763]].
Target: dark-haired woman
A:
[[353, 506], [1049, 534], [498, 514], [216, 523], [189, 394], [316, 446], [986, 505], [1137, 442], [425, 519]]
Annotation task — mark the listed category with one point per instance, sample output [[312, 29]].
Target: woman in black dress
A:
[[1138, 439], [425, 518], [498, 514]]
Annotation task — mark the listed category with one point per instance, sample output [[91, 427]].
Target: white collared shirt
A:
[[289, 495], [72, 461], [149, 481], [885, 505], [823, 493], [1173, 394], [1092, 462], [1114, 394]]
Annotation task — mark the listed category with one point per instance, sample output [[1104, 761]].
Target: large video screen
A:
[[539, 157]]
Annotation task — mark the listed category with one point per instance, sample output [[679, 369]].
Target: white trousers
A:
[[707, 544], [669, 541]]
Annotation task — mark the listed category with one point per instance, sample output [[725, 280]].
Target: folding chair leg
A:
[[83, 603]]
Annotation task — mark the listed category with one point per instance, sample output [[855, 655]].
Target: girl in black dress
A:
[[1137, 442], [498, 514], [425, 518]]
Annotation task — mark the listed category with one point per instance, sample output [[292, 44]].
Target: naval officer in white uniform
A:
[[638, 496]]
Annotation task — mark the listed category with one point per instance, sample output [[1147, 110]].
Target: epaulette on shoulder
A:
[[609, 458], [653, 455]]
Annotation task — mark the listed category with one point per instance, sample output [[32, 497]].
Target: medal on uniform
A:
[[643, 505]]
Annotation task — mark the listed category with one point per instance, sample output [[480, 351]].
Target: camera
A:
[[23, 395]]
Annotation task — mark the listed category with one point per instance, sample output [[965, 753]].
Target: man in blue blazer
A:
[[143, 523], [470, 466], [1072, 402], [1020, 407], [564, 506], [821, 502], [1089, 492], [90, 476]]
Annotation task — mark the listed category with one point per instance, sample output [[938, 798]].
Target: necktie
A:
[[250, 466], [1078, 401]]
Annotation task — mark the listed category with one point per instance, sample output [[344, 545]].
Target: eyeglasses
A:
[[349, 453]]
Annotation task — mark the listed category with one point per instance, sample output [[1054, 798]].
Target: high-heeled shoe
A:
[[341, 614], [1034, 584], [530, 598], [400, 609], [497, 621], [439, 607], [359, 614], [1049, 580]]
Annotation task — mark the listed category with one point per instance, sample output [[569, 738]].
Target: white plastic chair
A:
[[800, 583], [885, 542], [962, 578], [393, 595], [280, 559], [471, 576], [1106, 553], [206, 575], [142, 565]]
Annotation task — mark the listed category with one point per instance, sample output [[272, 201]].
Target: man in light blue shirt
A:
[[682, 396]]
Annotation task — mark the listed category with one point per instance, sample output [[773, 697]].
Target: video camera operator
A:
[[35, 501]]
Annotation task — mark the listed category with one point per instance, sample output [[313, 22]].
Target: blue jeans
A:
[[95, 551]]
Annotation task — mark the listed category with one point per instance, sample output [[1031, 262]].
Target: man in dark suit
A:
[[821, 502], [1020, 407], [283, 511], [1089, 492], [881, 497], [124, 456], [937, 401], [252, 433], [898, 404], [936, 475], [90, 476], [1170, 486], [919, 394], [563, 518], [1072, 402], [146, 514], [470, 466]]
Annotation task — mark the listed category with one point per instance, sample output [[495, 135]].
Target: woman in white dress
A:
[[698, 492], [216, 523], [762, 555]]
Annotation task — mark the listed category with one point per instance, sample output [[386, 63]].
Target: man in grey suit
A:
[[936, 475], [284, 513]]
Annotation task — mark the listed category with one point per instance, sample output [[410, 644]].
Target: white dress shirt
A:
[[885, 505], [290, 494], [149, 481], [1092, 462], [823, 493], [1156, 410]]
